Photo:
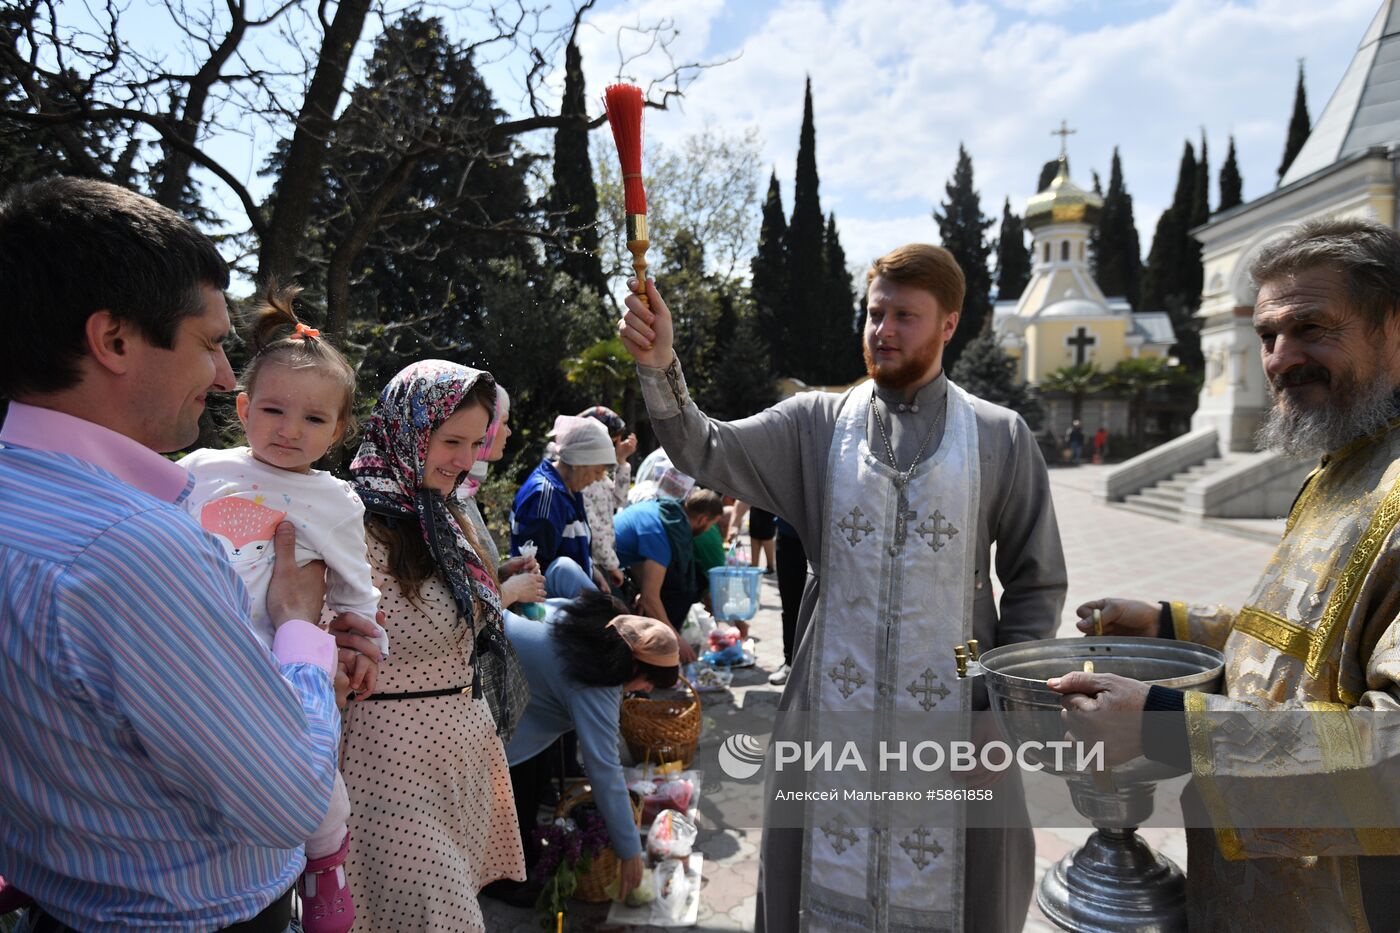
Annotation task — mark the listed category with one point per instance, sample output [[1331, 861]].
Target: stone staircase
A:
[[1163, 500]]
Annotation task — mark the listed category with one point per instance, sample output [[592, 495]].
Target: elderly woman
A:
[[433, 818], [601, 653], [549, 512]]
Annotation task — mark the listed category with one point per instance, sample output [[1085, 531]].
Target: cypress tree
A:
[[1200, 190], [1013, 257], [768, 283], [1299, 126], [1231, 185], [1172, 280], [841, 354], [1048, 171], [805, 247], [1118, 253], [963, 228], [1098, 182], [574, 196]]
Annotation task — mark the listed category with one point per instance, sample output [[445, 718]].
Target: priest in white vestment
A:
[[899, 487]]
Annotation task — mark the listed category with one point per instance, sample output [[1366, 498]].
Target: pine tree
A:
[[963, 230], [987, 372], [806, 256], [1231, 185], [841, 344], [574, 196], [1013, 257], [1172, 279], [768, 282], [1118, 253], [1299, 126]]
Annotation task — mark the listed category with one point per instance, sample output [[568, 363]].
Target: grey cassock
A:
[[778, 461]]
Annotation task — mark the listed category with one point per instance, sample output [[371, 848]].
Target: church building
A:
[[1062, 319]]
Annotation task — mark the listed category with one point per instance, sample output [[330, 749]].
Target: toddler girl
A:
[[296, 403]]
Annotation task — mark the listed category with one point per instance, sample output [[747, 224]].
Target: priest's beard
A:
[[903, 375], [1354, 410]]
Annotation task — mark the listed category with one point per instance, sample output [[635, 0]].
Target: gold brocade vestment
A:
[[1318, 638]]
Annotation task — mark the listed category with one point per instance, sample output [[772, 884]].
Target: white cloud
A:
[[899, 83]]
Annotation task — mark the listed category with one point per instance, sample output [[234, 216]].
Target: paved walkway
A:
[[1108, 551]]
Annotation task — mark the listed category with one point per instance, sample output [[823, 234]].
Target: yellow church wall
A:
[[1046, 350]]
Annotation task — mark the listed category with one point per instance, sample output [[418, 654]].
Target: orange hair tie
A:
[[305, 332]]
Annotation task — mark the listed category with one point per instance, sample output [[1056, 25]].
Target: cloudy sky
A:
[[897, 84]]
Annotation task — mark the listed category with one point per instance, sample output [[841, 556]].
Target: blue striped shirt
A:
[[159, 770]]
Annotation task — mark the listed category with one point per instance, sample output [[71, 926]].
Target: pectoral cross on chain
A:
[[903, 516]]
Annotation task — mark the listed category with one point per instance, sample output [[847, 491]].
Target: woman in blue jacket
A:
[[580, 660]]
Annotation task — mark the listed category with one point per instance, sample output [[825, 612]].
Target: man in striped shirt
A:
[[160, 768]]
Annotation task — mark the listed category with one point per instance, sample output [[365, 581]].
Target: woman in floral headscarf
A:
[[434, 815]]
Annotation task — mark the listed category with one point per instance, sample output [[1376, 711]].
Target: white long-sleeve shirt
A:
[[240, 501]]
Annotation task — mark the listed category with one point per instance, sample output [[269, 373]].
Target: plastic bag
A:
[[672, 887], [672, 835]]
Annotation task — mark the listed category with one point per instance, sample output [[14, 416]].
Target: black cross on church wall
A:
[[1081, 341]]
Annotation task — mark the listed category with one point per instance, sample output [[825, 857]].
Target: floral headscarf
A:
[[477, 475], [388, 476]]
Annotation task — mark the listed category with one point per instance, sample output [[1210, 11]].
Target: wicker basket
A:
[[593, 884], [662, 730]]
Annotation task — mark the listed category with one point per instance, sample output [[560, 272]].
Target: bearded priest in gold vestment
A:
[[1311, 696]]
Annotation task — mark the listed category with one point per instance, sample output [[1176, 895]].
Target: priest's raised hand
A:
[[645, 328]]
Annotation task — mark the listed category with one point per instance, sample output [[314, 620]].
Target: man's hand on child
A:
[[294, 592]]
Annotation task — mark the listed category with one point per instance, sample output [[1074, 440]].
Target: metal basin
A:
[[1027, 710]]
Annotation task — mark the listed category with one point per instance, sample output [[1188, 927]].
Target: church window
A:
[[1064, 251], [1047, 252]]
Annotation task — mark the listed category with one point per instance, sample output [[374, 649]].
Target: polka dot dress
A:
[[432, 817]]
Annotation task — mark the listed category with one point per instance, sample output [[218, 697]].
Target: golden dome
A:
[[1063, 202]]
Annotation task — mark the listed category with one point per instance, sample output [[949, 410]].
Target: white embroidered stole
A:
[[896, 596]]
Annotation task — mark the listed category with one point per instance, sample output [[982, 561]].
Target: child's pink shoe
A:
[[325, 895]]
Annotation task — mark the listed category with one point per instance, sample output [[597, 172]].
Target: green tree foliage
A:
[[1172, 281], [707, 185], [1231, 184], [963, 230], [1048, 171], [1299, 126], [840, 348], [1117, 253], [605, 372], [1200, 191], [806, 258], [742, 377], [573, 200], [1013, 257], [447, 276], [1076, 383], [987, 372], [768, 279], [1136, 379]]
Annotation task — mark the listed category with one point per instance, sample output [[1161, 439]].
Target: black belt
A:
[[419, 695], [275, 918]]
